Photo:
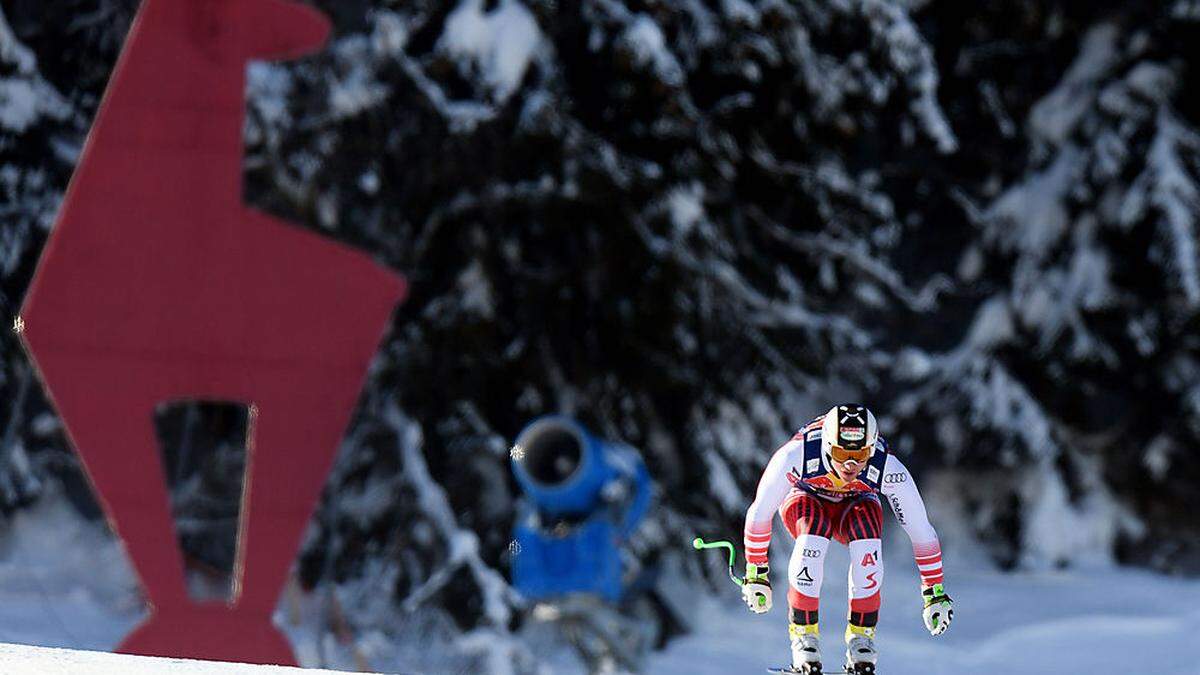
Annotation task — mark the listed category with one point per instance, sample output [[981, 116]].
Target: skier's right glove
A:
[[939, 609], [756, 588]]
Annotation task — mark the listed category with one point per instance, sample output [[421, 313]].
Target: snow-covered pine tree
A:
[[53, 64], [659, 217], [1073, 373]]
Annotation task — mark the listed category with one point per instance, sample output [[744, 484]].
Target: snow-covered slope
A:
[[75, 590], [1098, 620], [21, 660]]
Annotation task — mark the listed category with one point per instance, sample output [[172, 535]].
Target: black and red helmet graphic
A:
[[852, 427]]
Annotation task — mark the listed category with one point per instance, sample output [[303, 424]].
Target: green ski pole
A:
[[699, 544]]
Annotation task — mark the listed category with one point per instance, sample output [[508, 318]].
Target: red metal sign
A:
[[158, 284]]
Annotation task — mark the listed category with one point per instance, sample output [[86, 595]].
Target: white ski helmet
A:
[[848, 429]]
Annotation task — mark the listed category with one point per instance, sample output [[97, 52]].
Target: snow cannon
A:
[[584, 496]]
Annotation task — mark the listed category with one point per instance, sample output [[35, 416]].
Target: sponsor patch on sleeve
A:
[[872, 474], [813, 465]]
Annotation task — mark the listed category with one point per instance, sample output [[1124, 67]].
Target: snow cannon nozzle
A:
[[561, 467], [581, 493]]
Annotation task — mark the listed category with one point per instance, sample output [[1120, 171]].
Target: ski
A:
[[790, 670]]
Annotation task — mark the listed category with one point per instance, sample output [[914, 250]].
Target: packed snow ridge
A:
[[22, 660]]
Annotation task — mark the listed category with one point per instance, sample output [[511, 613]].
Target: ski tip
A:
[[790, 670]]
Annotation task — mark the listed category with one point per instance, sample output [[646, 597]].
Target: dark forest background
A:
[[694, 225]]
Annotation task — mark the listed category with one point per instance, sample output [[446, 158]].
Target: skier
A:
[[825, 484]]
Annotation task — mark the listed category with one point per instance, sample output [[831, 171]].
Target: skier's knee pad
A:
[[866, 578], [806, 569]]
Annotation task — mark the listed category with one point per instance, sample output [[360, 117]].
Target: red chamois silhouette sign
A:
[[158, 285]]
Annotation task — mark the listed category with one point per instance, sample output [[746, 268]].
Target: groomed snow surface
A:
[[72, 589], [21, 660], [1106, 620]]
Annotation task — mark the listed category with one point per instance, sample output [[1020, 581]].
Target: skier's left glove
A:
[[756, 588], [939, 609]]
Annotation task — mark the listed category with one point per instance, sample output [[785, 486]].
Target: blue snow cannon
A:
[[584, 496]]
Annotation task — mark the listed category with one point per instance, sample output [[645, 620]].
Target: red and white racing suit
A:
[[817, 506]]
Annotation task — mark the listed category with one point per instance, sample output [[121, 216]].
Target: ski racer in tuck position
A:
[[825, 484]]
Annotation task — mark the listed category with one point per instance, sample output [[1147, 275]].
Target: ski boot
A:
[[860, 650], [806, 649]]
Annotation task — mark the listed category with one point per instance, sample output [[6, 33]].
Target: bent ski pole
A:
[[697, 543]]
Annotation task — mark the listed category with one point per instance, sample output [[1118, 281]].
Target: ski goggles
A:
[[861, 455]]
